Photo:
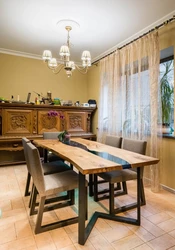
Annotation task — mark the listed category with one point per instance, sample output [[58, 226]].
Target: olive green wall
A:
[[93, 92], [20, 75]]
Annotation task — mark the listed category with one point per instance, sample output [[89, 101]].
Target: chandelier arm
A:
[[67, 64], [57, 69], [82, 70]]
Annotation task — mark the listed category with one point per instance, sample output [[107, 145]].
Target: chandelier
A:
[[66, 63]]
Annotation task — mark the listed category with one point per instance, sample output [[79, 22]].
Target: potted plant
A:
[[167, 95], [64, 137]]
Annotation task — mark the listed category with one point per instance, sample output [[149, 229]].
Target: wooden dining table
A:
[[91, 157]]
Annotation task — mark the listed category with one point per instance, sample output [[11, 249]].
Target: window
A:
[[167, 91]]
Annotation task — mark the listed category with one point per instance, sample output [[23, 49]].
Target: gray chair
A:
[[114, 141], [49, 156], [137, 146], [49, 185], [48, 168]]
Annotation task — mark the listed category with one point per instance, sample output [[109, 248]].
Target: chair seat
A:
[[54, 167], [116, 175], [60, 182], [137, 146]]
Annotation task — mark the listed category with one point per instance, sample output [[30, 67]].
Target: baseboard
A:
[[148, 182], [171, 190]]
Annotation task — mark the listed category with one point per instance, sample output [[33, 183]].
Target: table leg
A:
[[83, 230], [45, 155], [91, 185], [138, 196], [82, 200]]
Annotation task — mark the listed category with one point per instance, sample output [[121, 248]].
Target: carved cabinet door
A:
[[17, 122], [76, 121], [48, 123]]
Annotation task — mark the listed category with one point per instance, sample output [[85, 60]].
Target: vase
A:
[[67, 139]]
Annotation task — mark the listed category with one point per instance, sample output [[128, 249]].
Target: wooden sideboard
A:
[[18, 120]]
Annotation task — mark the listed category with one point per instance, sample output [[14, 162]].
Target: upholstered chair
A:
[[48, 168], [49, 156], [137, 146], [49, 185], [114, 141]]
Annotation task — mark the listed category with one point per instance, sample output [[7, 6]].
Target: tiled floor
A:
[[157, 230]]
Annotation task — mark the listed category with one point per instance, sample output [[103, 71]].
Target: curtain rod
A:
[[144, 34]]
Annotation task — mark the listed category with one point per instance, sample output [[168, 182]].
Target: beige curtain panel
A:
[[130, 97]]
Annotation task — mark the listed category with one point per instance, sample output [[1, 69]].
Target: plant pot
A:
[[166, 129]]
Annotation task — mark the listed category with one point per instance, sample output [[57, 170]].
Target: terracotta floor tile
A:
[[143, 247], [23, 229], [62, 242], [152, 228], [60, 238], [129, 242], [172, 233], [71, 228], [162, 243], [26, 243], [5, 205], [99, 242], [72, 247], [167, 225], [158, 218], [17, 203], [142, 233], [102, 226], [44, 241], [119, 232], [7, 233], [87, 246]]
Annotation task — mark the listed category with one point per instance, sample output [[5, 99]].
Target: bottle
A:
[[11, 99]]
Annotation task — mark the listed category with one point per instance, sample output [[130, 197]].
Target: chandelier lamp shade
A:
[[66, 64]]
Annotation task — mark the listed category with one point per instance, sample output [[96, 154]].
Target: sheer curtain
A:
[[129, 97]]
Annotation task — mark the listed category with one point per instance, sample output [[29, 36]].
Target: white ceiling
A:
[[28, 27]]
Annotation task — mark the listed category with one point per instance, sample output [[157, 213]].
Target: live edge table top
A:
[[89, 163]]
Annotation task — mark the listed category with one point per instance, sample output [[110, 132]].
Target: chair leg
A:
[[27, 193], [143, 200], [40, 215], [125, 190], [95, 187], [39, 228], [111, 198], [118, 186], [71, 195], [33, 201], [30, 201]]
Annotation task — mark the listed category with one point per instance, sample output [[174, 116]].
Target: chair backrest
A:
[[137, 146], [51, 135], [36, 167], [114, 141], [24, 143]]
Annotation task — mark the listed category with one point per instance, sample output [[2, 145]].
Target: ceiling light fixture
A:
[[68, 65]]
